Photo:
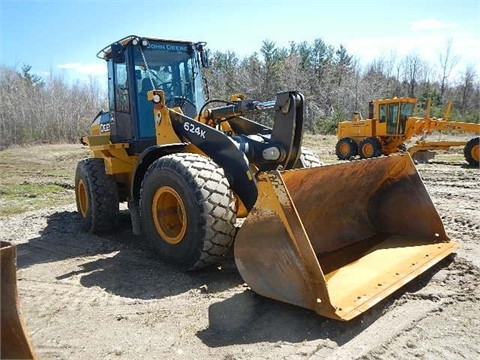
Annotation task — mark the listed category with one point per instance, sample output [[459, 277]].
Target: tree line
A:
[[37, 110], [334, 83]]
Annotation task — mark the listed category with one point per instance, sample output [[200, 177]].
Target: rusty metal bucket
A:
[[15, 343], [338, 239]]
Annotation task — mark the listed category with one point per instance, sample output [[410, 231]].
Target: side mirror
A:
[[118, 53], [200, 47], [204, 59]]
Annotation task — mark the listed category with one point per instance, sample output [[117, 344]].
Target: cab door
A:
[[119, 98], [392, 119]]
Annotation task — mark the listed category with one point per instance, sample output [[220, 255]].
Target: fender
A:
[[148, 156]]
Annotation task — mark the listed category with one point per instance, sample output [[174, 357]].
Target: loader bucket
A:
[[15, 343], [338, 239]]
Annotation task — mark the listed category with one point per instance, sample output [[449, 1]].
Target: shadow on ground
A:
[[122, 263], [249, 318]]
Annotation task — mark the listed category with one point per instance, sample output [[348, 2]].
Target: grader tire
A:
[[369, 147], [346, 148], [96, 195], [188, 210], [472, 151]]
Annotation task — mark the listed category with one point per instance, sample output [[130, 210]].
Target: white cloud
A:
[[89, 69], [430, 24], [428, 48]]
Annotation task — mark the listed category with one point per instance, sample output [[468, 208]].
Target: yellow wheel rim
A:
[[82, 198], [344, 149], [475, 152], [169, 215], [367, 150]]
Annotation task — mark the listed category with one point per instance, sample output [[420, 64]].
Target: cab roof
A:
[[105, 53]]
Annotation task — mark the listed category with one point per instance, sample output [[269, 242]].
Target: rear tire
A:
[[472, 151], [346, 148], [96, 195], [188, 210], [370, 147]]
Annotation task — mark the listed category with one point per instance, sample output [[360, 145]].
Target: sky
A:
[[62, 37]]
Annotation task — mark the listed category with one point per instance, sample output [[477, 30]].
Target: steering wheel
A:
[[170, 86]]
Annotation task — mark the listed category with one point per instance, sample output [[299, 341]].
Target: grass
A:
[[323, 146], [36, 177], [41, 176]]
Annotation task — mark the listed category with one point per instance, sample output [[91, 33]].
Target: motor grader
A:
[[336, 239], [392, 123]]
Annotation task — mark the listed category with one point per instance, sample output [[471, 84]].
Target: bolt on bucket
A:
[[338, 239]]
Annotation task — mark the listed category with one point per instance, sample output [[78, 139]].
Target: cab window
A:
[[122, 103], [392, 119], [382, 115]]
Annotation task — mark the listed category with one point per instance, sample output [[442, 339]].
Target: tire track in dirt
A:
[[418, 322], [448, 331], [455, 191]]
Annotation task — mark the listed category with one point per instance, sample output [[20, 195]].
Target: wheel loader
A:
[[392, 123], [199, 177]]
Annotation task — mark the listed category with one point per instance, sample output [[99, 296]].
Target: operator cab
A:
[[394, 112], [137, 65]]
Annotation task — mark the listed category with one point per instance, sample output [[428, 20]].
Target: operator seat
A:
[[146, 124]]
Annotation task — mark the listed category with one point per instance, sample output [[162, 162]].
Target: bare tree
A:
[[412, 69], [467, 88], [447, 61], [33, 109]]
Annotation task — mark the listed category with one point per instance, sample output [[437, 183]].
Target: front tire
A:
[[472, 151], [188, 210], [96, 195], [346, 148]]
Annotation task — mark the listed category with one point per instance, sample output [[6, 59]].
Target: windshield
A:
[[173, 68], [407, 109]]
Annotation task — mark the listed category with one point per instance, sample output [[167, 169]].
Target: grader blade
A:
[[15, 343], [338, 239]]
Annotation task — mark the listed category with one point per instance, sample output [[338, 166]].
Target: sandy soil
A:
[[89, 297]]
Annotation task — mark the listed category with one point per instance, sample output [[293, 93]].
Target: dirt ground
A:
[[90, 297]]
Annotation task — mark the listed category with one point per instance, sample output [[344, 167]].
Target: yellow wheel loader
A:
[[392, 123], [335, 239]]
